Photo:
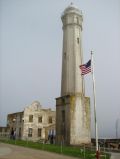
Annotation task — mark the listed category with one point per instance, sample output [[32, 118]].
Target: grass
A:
[[65, 150]]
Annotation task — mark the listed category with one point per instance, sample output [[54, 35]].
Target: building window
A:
[[50, 120], [19, 132], [30, 132], [20, 118], [30, 118], [63, 100], [5, 129], [39, 132], [78, 40], [63, 116], [40, 119]]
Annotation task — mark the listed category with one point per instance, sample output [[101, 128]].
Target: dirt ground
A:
[[16, 152], [115, 155]]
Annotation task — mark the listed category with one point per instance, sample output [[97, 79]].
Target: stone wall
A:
[[74, 129], [15, 122], [30, 130], [38, 127]]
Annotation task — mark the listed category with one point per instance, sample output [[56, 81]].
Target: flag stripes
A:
[[85, 68]]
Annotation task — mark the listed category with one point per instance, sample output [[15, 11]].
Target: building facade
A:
[[4, 131], [34, 123], [15, 123], [39, 123], [72, 108]]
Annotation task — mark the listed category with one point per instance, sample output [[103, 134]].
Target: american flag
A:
[[85, 68]]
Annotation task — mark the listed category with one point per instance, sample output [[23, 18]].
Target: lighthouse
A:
[[72, 107]]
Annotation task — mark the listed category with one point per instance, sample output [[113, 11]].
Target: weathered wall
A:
[[75, 130], [63, 127], [80, 120], [37, 111], [20, 123], [15, 122]]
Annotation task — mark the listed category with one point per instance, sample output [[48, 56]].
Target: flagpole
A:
[[83, 99], [94, 95]]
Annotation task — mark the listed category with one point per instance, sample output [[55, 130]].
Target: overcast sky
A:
[[31, 51]]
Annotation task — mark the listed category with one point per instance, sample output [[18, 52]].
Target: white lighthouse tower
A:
[[72, 108], [72, 51]]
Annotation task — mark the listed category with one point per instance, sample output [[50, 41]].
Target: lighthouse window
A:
[[77, 20], [78, 40], [64, 54]]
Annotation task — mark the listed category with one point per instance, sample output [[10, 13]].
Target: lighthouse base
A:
[[73, 120]]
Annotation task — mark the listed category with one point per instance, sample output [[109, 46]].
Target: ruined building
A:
[[34, 123]]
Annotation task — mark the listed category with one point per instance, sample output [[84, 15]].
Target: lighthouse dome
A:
[[72, 9]]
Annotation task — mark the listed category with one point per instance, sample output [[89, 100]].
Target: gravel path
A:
[[115, 155], [8, 151]]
